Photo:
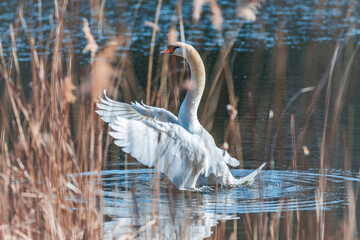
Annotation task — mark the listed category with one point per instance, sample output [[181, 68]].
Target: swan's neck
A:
[[188, 110]]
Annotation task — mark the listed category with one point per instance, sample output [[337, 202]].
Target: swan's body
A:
[[179, 147]]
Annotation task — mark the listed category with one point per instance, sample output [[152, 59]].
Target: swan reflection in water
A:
[[175, 215], [177, 146], [133, 206]]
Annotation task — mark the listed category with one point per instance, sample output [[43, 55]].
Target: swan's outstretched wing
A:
[[109, 109], [249, 178], [166, 146]]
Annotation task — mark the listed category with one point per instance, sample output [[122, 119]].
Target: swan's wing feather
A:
[[109, 109], [228, 159], [155, 112], [108, 113], [218, 154], [249, 178], [166, 146]]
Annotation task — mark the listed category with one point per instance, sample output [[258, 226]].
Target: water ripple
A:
[[130, 193]]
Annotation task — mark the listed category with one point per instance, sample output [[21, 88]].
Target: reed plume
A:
[[247, 9]]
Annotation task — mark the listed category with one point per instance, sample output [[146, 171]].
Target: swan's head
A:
[[178, 48]]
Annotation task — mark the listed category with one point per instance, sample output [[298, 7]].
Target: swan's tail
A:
[[249, 178]]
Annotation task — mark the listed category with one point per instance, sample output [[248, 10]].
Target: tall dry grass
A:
[[43, 195]]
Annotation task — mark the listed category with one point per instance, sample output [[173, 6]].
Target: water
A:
[[286, 49], [131, 201]]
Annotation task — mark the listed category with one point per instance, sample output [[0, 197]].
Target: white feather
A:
[[168, 147]]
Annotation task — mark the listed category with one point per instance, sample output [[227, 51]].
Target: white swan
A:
[[179, 147]]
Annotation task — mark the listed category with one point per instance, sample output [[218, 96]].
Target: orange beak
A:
[[169, 50]]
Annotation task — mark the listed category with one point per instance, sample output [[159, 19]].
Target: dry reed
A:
[[43, 193]]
